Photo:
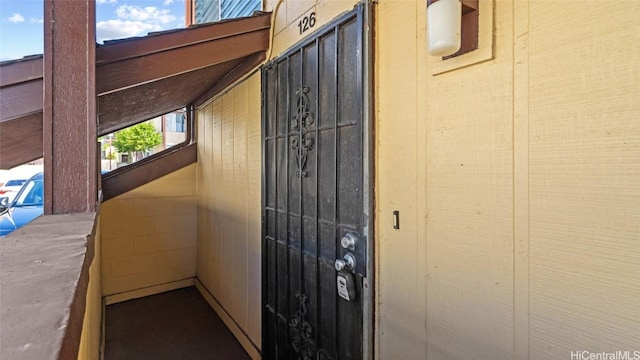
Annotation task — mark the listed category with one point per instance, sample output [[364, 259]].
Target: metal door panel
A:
[[313, 179]]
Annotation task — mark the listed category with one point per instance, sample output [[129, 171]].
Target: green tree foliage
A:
[[137, 138]]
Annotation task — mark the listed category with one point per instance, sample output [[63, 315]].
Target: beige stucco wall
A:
[[149, 234], [517, 184]]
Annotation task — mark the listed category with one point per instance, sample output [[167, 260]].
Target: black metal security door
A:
[[313, 176]]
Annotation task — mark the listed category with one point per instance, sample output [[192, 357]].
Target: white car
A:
[[11, 187]]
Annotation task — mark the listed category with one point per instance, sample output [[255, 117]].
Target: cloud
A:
[[118, 29], [145, 14], [16, 18], [133, 20], [36, 21], [167, 2], [107, 1]]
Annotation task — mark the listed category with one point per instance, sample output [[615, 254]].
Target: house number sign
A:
[[307, 22]]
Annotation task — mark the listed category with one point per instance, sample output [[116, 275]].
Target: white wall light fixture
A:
[[453, 27], [444, 22]]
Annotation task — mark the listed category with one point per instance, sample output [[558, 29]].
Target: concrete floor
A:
[[178, 324]]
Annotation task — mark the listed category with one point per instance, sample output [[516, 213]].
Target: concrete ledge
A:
[[44, 274]]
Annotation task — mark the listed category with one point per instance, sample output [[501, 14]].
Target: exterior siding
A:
[[232, 8], [520, 230], [206, 11], [469, 189], [401, 186], [216, 10], [584, 178]]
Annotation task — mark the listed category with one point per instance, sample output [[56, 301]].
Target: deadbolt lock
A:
[[347, 263]]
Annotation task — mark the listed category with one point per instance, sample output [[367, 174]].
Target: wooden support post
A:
[[69, 113], [189, 18]]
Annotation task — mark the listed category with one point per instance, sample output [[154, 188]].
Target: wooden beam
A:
[[20, 99], [189, 17], [22, 70], [128, 178], [69, 112], [119, 50], [20, 140], [141, 70], [244, 68], [127, 107]]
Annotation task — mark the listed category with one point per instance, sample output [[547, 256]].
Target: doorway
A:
[[316, 186]]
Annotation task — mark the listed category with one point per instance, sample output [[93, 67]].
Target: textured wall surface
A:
[[517, 183], [584, 177], [400, 180], [149, 234]]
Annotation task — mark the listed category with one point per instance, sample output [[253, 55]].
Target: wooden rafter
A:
[[127, 73], [133, 77]]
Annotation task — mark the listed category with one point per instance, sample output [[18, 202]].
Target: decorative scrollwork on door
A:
[[302, 331], [302, 116], [302, 149], [302, 121]]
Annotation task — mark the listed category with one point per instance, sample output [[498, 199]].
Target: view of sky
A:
[[21, 22]]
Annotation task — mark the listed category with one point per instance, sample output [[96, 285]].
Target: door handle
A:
[[347, 263]]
